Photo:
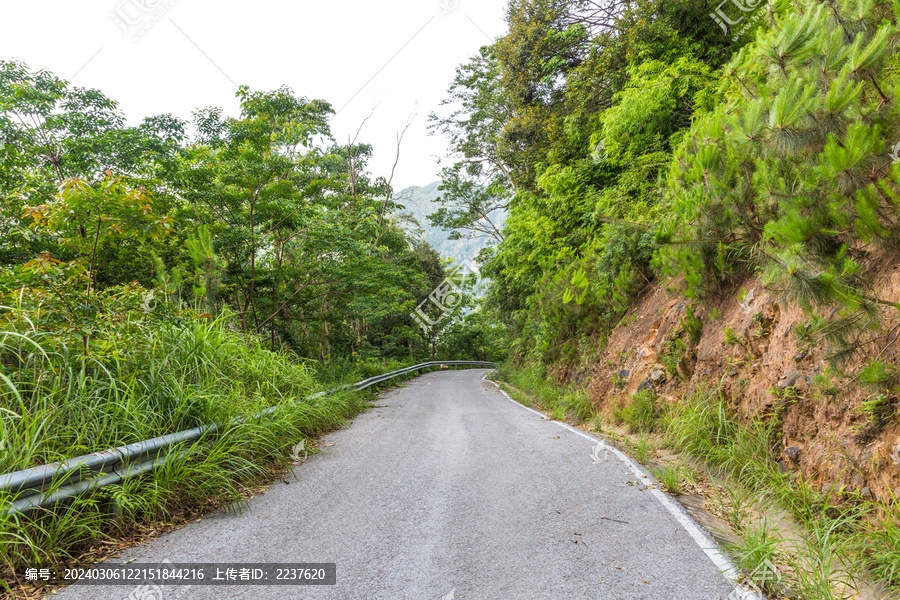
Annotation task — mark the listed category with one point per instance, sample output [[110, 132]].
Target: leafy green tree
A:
[[314, 256], [51, 132], [478, 186], [251, 179], [574, 116], [84, 217], [262, 214], [790, 173], [62, 296]]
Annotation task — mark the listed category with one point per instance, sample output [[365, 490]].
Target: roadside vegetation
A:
[[826, 544], [153, 281], [167, 375], [639, 142], [675, 145], [159, 276]]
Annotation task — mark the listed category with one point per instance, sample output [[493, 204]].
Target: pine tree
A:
[[791, 173]]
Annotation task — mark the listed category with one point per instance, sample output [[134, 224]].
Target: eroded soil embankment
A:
[[749, 347]]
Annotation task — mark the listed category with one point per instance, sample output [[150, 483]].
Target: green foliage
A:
[[653, 108], [591, 287], [700, 425], [730, 338], [749, 454], [151, 283], [821, 566], [879, 543], [671, 354], [879, 409], [577, 403], [757, 549], [51, 132], [562, 402], [262, 213], [692, 325], [476, 190], [641, 413], [167, 281], [568, 122], [151, 375], [789, 173], [879, 374], [84, 217], [671, 476], [643, 449], [208, 268]]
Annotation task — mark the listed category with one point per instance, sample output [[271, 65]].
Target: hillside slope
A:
[[833, 430]]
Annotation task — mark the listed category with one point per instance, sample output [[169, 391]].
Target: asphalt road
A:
[[449, 490]]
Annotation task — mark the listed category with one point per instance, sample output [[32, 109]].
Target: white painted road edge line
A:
[[707, 544]]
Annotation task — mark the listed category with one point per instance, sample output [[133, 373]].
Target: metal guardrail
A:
[[49, 484]]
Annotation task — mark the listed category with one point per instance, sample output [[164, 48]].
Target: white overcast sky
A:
[[397, 57]]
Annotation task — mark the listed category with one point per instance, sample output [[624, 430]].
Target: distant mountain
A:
[[419, 202]]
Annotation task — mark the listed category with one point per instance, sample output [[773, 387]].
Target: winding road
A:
[[447, 489]]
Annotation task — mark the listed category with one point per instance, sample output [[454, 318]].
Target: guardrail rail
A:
[[49, 484]]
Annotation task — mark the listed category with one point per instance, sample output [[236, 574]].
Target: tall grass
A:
[[701, 426], [841, 541], [641, 413], [560, 401], [57, 402], [878, 543], [757, 551]]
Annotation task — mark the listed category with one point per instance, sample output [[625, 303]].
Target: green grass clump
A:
[[642, 449], [733, 501], [700, 425], [162, 378], [558, 412], [577, 402], [757, 549], [879, 544], [641, 413], [151, 379], [671, 355], [749, 455], [562, 402], [533, 381], [671, 477], [821, 559]]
